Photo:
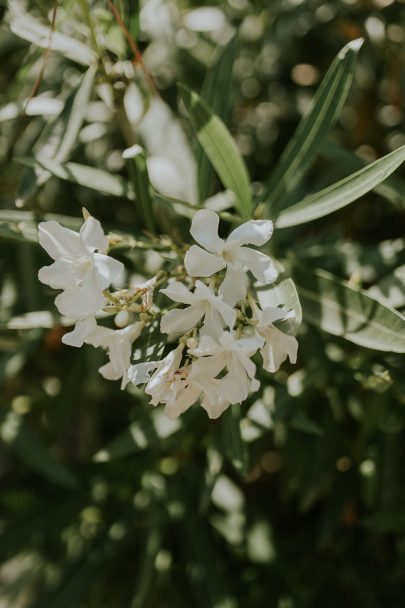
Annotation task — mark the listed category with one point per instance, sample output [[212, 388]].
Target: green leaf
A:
[[391, 289], [138, 172], [220, 148], [313, 128], [151, 429], [83, 175], [58, 138], [392, 189], [79, 576], [216, 92], [341, 310], [35, 455], [51, 521], [343, 192], [232, 443], [27, 27]]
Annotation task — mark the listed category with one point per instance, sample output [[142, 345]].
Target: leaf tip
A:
[[355, 45]]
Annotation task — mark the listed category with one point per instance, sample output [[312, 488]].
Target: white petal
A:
[[214, 405], [59, 241], [57, 276], [235, 385], [109, 372], [271, 314], [92, 235], [234, 286], [253, 232], [250, 344], [181, 320], [178, 292], [78, 335], [206, 346], [140, 372], [259, 264], [215, 303], [101, 336], [213, 325], [109, 268], [227, 312], [79, 302], [204, 230], [183, 401], [277, 348], [200, 263]]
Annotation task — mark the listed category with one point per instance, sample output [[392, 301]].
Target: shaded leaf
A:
[[30, 449], [232, 444]]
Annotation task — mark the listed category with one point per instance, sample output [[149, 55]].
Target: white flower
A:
[[82, 329], [160, 384], [230, 254], [118, 343], [203, 303], [78, 270], [180, 387], [234, 355], [278, 345]]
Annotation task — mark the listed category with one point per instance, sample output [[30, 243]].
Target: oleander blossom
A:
[[212, 344], [277, 345], [203, 303], [79, 269], [215, 254]]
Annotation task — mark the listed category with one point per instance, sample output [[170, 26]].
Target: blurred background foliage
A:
[[104, 502]]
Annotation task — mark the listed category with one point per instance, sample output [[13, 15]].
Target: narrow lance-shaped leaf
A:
[[220, 148], [83, 175], [341, 310], [136, 160], [149, 430], [392, 189], [216, 92], [343, 192], [313, 128], [33, 452], [231, 442], [58, 139], [27, 27]]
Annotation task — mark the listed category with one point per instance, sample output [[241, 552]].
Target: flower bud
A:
[[121, 319]]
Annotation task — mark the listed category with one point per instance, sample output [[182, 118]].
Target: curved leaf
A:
[[341, 310], [343, 192], [314, 127], [83, 175], [216, 92]]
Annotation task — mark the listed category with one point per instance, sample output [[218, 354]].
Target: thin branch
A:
[[138, 59]]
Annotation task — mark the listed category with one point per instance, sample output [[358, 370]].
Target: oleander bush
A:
[[202, 290]]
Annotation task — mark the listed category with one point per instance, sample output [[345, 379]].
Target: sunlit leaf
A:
[[220, 148], [313, 128], [342, 193], [339, 309], [216, 92]]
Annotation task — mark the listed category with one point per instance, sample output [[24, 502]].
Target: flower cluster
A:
[[217, 326]]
